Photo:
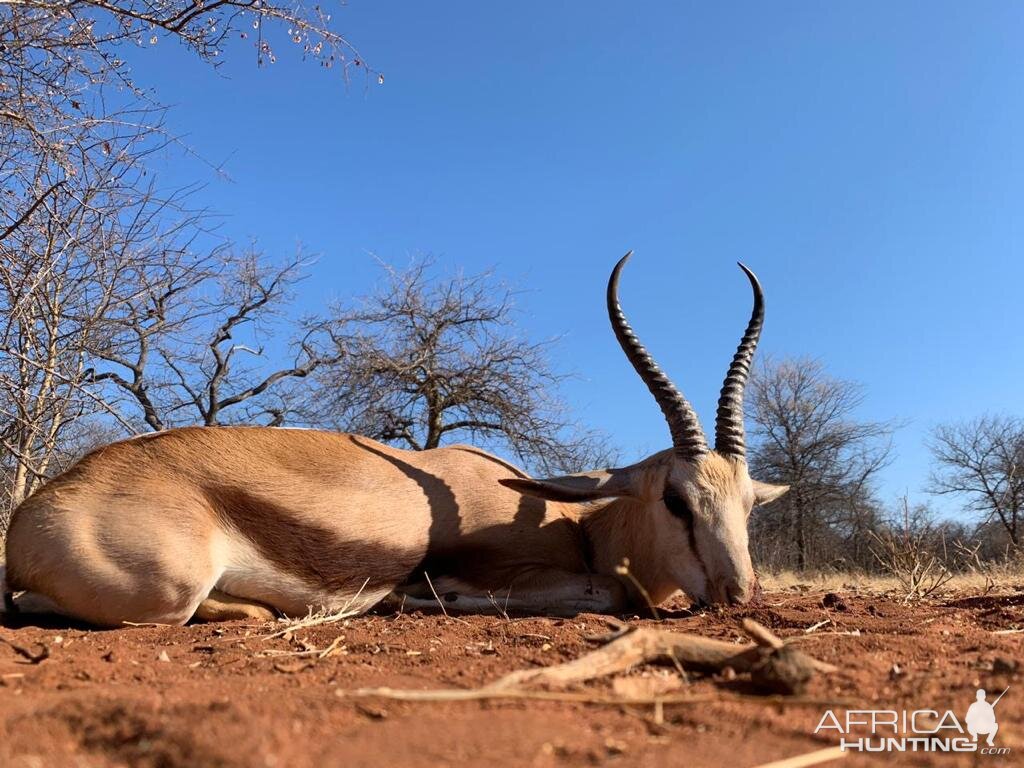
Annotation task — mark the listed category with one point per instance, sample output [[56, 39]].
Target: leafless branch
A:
[[806, 434], [982, 462], [431, 361]]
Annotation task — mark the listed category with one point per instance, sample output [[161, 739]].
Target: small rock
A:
[[784, 670], [1003, 666], [163, 656], [372, 712], [615, 746], [835, 601]]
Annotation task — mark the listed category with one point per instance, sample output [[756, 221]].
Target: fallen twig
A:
[[31, 657], [833, 633], [535, 635], [618, 629], [577, 697], [308, 652], [771, 664], [816, 757], [819, 625]]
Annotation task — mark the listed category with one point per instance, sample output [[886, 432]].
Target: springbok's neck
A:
[[626, 529]]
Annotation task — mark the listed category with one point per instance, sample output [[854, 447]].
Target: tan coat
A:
[[145, 528]]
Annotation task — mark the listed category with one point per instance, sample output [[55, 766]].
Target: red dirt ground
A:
[[217, 695]]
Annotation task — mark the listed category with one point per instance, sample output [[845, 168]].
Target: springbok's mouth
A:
[[755, 600]]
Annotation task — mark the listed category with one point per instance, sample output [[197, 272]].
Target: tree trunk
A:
[[19, 485], [801, 533]]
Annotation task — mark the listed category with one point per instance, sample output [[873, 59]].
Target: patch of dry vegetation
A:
[[999, 577]]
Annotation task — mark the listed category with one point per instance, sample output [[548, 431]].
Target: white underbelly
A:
[[249, 574]]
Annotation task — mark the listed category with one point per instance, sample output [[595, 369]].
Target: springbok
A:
[[218, 523]]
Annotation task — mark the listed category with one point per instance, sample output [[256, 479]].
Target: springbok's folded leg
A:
[[219, 606]]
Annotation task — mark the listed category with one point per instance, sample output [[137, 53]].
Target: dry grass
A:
[[920, 572], [352, 607], [996, 578]]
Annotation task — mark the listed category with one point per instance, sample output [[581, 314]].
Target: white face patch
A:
[[711, 504]]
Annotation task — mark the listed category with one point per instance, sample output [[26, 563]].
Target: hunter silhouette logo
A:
[[919, 730], [981, 717]]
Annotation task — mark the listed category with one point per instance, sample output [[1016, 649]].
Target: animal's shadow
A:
[[25, 620]]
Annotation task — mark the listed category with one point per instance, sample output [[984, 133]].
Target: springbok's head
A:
[[698, 500]]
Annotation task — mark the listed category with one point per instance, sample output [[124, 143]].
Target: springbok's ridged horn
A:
[[687, 436], [729, 432]]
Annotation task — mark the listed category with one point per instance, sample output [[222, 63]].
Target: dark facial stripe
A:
[[679, 508]]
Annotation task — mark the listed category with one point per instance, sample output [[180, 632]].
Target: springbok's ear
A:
[[766, 492], [586, 486]]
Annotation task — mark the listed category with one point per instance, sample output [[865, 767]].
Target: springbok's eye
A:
[[678, 506]]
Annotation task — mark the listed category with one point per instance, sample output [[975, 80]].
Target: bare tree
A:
[[42, 335], [430, 362], [113, 342], [63, 269], [982, 461], [190, 347], [93, 27], [87, 239], [69, 106], [805, 435]]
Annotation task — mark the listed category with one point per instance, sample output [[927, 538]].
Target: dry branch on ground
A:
[[774, 667]]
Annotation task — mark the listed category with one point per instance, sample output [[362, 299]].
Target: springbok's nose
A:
[[737, 593]]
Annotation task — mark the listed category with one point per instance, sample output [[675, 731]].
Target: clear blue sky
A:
[[864, 158]]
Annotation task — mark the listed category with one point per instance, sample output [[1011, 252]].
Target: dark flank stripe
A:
[[322, 557]]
